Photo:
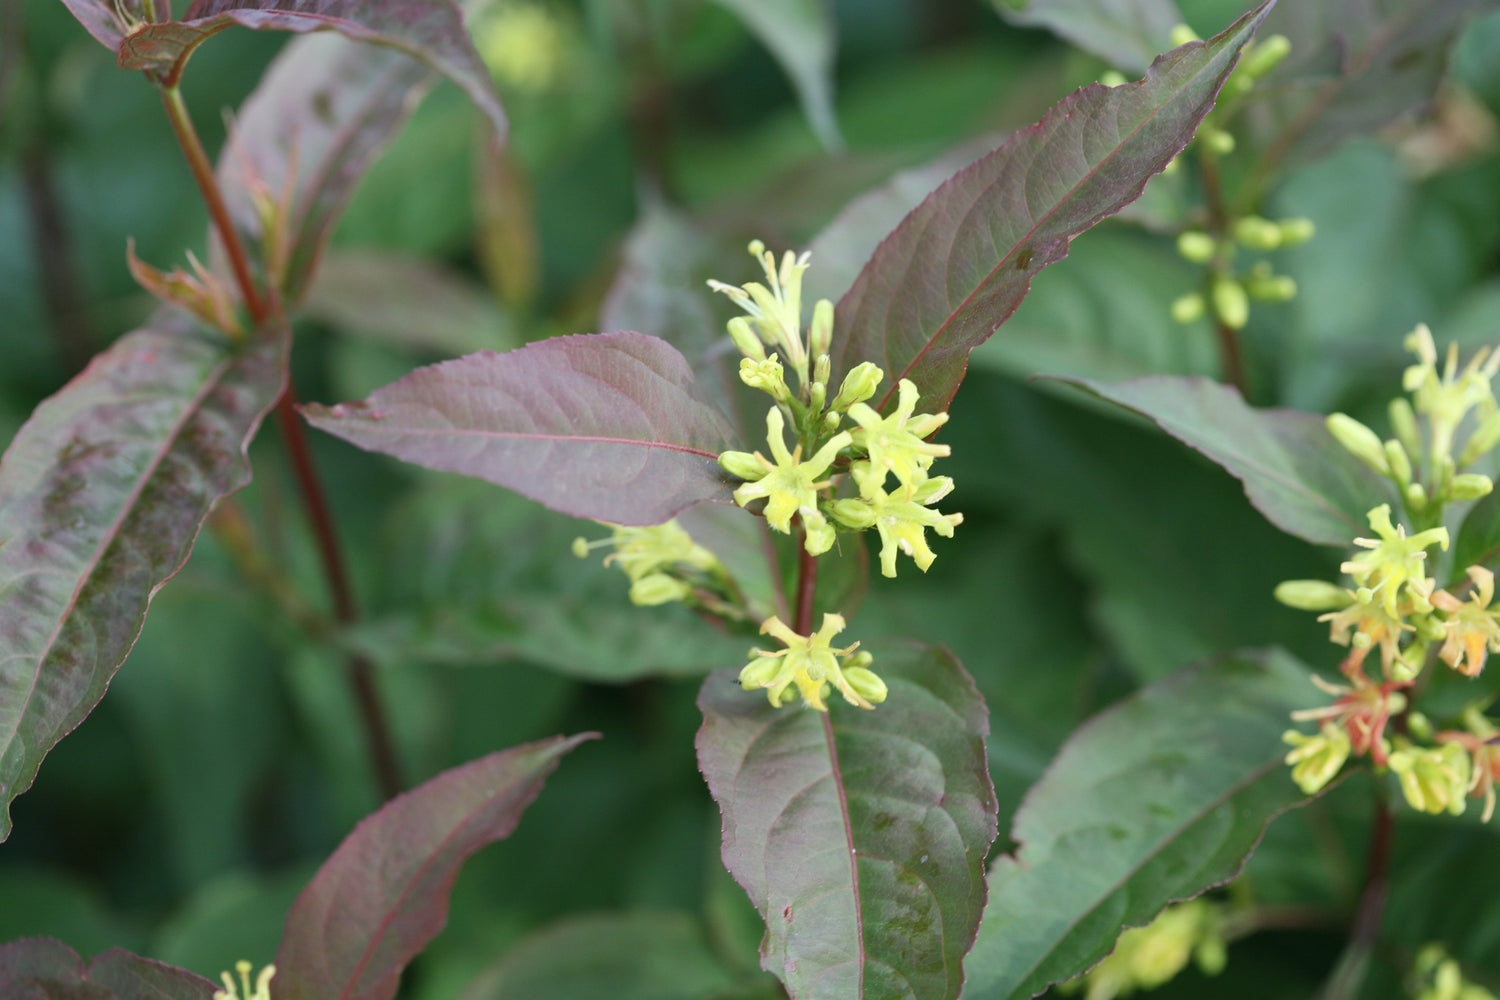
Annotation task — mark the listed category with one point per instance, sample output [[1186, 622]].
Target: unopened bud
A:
[[761, 671], [854, 514], [1217, 140], [820, 333], [1230, 303], [1404, 423], [658, 588], [1257, 233], [820, 535], [816, 396], [767, 376], [1181, 34], [1272, 288], [859, 385], [831, 421], [744, 337], [1419, 726], [1482, 441], [1399, 462], [1470, 486], [1265, 55], [1312, 595], [1197, 246], [822, 369], [1416, 497], [1295, 232], [1188, 308], [866, 684], [742, 465]]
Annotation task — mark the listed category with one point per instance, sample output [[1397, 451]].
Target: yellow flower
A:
[[789, 485], [1433, 780], [775, 308], [1445, 399], [262, 990], [1366, 625], [1315, 760], [1147, 957], [1393, 562], [1470, 631], [894, 443], [654, 557], [810, 664], [901, 520]]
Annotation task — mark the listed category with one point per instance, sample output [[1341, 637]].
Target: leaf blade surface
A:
[[959, 264], [861, 844], [102, 494], [611, 426]]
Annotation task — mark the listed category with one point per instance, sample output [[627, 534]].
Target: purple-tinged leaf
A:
[[383, 894], [800, 34], [102, 494], [430, 30], [960, 263], [98, 18], [45, 969], [1294, 472], [859, 836], [610, 426], [1353, 67], [1156, 799], [1125, 33]]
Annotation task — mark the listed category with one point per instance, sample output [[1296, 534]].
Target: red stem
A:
[[1354, 964], [807, 586], [1230, 357], [263, 311]]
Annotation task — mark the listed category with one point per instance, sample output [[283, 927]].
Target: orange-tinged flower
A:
[[1471, 631]]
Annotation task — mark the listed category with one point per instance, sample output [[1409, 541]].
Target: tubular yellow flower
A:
[[775, 308], [261, 991], [1433, 780], [1315, 760], [1365, 625], [902, 520], [788, 485], [1470, 631], [1393, 563], [895, 443], [654, 557], [810, 664], [1478, 741], [1445, 399]]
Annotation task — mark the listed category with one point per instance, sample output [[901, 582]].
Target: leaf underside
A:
[[1126, 33], [383, 894], [1121, 825], [611, 426], [45, 969], [102, 494], [859, 836], [1294, 471], [960, 263]]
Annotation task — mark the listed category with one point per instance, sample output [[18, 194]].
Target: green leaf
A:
[[1478, 541], [800, 35], [1125, 33], [1157, 799], [960, 263], [102, 494], [611, 426], [640, 955], [383, 894], [1349, 74], [1295, 473], [44, 969], [859, 836]]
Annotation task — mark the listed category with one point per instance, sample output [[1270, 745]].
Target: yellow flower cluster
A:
[[1394, 603], [261, 990], [1147, 957]]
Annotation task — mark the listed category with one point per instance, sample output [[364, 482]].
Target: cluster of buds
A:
[[526, 46], [887, 459], [244, 991], [664, 564], [1147, 957], [1393, 603], [1436, 976], [1228, 290]]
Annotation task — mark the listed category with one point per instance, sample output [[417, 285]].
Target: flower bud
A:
[[932, 489], [1482, 441], [1257, 233], [1197, 246], [1230, 303], [742, 465], [1269, 287], [1181, 34], [744, 337], [820, 333], [854, 514], [760, 671], [1433, 780], [1297, 231], [1217, 140], [1263, 56], [1419, 726], [658, 588], [823, 369], [1361, 442], [767, 376], [816, 395], [1404, 423], [1470, 486], [1188, 308], [859, 385], [1315, 760], [866, 684], [1312, 595], [1399, 462], [820, 535]]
